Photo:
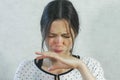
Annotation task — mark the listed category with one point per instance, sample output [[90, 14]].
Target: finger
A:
[[38, 53], [62, 66], [53, 68], [46, 54], [41, 55]]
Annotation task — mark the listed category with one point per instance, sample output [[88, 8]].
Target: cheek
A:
[[68, 43], [49, 42]]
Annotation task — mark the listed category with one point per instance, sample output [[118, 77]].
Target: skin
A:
[[59, 43], [59, 39]]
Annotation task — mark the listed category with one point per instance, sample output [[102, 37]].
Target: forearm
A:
[[85, 73]]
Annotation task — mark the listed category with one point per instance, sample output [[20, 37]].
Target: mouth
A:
[[58, 51]]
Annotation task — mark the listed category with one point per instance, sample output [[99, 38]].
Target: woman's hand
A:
[[60, 61], [66, 62]]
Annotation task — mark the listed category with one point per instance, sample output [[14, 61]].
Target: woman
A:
[[59, 28]]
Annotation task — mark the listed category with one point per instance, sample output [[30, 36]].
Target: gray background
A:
[[99, 36]]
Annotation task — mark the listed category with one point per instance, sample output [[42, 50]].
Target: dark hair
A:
[[55, 10]]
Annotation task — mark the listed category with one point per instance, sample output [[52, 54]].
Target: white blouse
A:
[[28, 70]]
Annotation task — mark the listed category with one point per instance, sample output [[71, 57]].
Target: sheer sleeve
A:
[[94, 67]]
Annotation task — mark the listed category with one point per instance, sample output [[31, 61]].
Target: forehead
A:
[[59, 26]]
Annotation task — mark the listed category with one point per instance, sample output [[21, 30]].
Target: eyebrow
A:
[[56, 33], [60, 34]]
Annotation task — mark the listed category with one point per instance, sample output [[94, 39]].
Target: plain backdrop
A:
[[99, 36]]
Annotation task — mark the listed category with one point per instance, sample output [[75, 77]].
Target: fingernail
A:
[[37, 52], [49, 69]]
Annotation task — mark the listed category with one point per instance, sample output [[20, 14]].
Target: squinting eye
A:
[[66, 36], [51, 36]]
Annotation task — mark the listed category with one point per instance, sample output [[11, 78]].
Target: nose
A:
[[59, 40]]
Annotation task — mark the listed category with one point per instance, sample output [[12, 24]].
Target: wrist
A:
[[80, 65]]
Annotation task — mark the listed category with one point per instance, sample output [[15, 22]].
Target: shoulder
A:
[[90, 61], [26, 63], [24, 69], [94, 67]]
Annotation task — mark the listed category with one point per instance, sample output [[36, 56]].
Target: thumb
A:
[[51, 68]]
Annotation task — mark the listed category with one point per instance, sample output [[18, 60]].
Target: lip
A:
[[58, 51]]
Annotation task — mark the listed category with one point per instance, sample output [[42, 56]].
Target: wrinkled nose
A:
[[59, 40]]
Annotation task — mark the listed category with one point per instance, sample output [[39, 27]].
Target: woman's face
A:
[[59, 39]]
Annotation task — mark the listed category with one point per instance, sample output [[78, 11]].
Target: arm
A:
[[86, 74], [66, 62]]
